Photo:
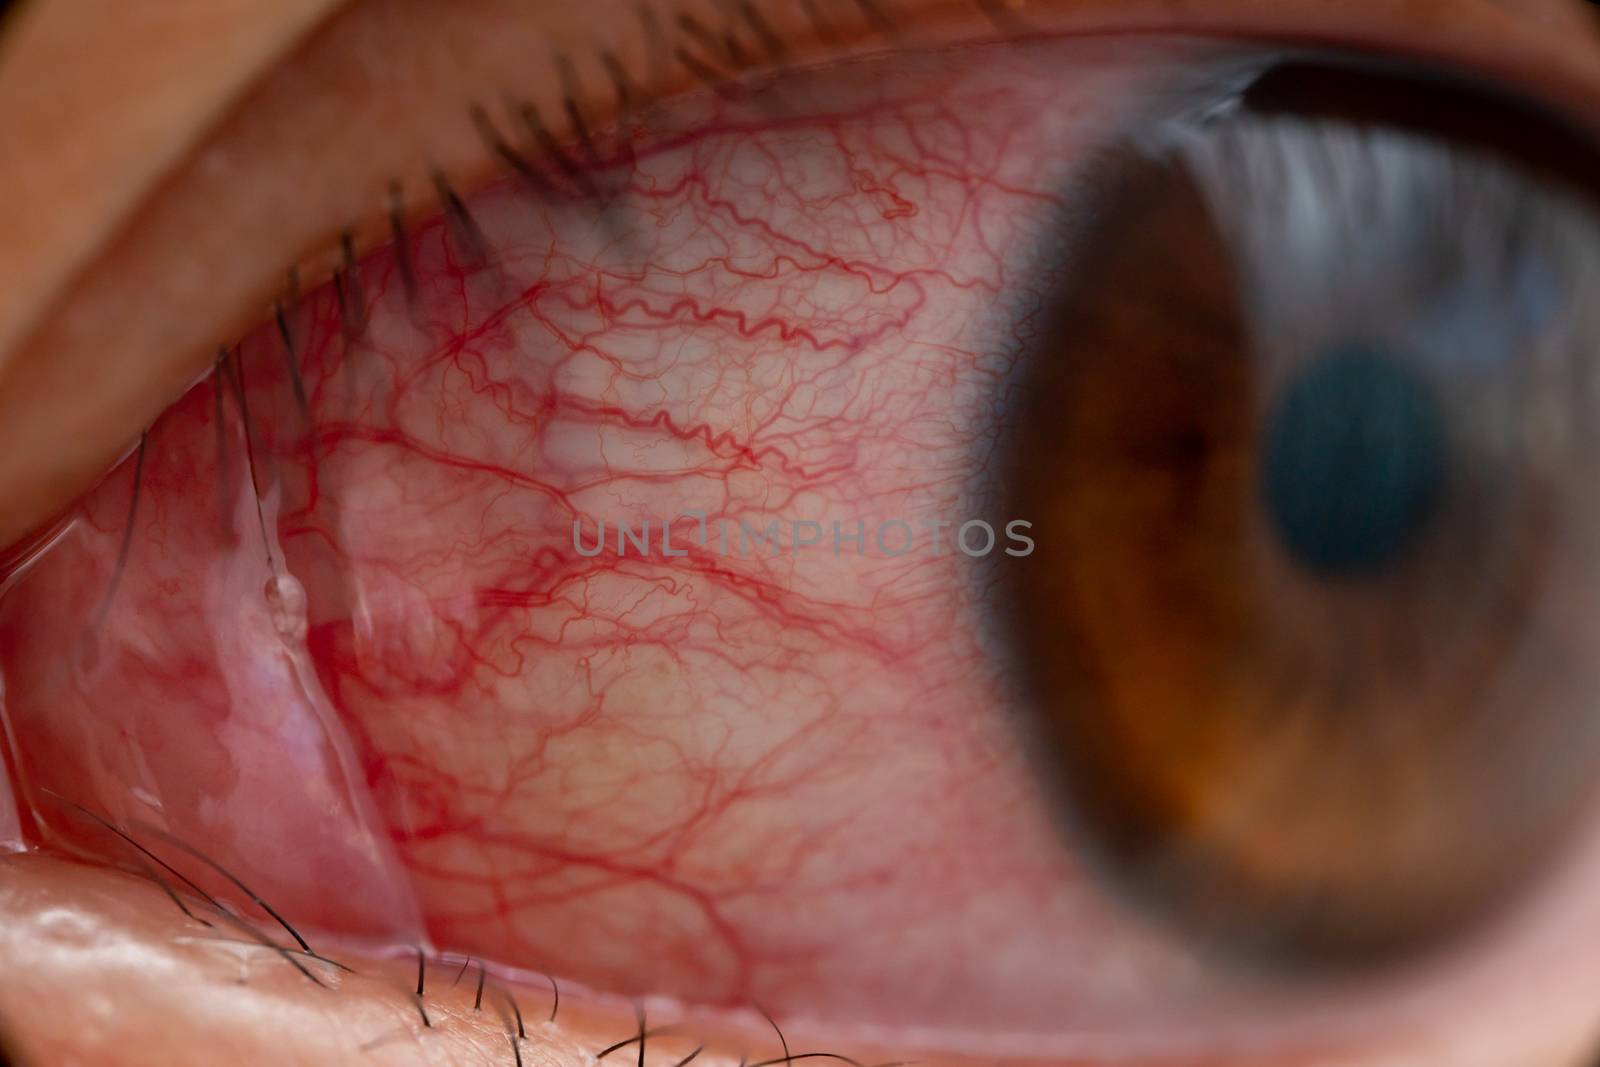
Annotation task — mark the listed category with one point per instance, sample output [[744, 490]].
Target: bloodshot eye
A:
[[1307, 451], [864, 546]]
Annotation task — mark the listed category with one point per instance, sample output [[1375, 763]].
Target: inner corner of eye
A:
[[722, 559]]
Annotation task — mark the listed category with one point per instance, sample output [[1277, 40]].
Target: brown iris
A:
[[1308, 633]]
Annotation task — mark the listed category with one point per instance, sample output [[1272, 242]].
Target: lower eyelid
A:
[[177, 981]]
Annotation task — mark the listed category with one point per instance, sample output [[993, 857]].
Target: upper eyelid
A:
[[688, 39], [697, 32], [138, 333], [713, 47], [196, 266], [109, 159], [591, 87], [137, 160], [183, 86]]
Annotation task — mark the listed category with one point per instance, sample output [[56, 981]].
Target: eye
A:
[[714, 559], [1284, 707]]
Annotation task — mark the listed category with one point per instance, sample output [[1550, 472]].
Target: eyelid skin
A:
[[381, 91], [76, 167]]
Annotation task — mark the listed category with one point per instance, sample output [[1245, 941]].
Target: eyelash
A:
[[716, 58]]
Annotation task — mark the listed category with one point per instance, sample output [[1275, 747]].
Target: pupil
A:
[[1353, 458]]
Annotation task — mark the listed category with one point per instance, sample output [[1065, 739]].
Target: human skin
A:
[[141, 220]]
